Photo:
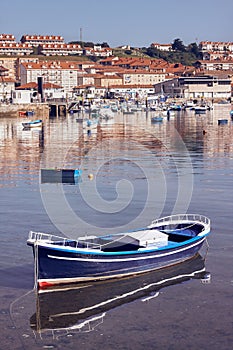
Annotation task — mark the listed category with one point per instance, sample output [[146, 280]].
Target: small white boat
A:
[[33, 124]]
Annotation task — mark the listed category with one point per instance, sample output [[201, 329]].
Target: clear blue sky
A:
[[134, 22]]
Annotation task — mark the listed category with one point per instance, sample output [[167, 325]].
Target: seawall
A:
[[12, 110]]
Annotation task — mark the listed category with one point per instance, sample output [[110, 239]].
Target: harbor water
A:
[[133, 171]]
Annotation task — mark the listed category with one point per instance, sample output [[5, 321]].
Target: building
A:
[[216, 64], [60, 49], [7, 85], [141, 77], [7, 38], [12, 48], [50, 92], [139, 92], [21, 96], [203, 86], [216, 55], [162, 47], [216, 46], [105, 80], [36, 40], [97, 51], [62, 73]]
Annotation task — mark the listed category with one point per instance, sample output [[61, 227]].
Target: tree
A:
[[193, 48], [178, 45], [104, 44]]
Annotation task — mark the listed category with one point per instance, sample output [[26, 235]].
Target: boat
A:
[[33, 124], [82, 307], [175, 107], [231, 114], [157, 119], [90, 124], [26, 113], [189, 104], [70, 176], [200, 109], [166, 241]]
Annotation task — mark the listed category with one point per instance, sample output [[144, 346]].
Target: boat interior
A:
[[126, 242]]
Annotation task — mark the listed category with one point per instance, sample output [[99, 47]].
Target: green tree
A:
[[178, 45], [194, 49]]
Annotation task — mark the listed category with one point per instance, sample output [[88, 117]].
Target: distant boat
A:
[[26, 113], [175, 107], [231, 114], [157, 119], [90, 124], [33, 124], [128, 111], [200, 109], [189, 104], [165, 242]]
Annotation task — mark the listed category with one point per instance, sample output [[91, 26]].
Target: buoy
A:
[[90, 176]]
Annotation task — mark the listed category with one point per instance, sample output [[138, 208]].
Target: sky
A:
[[137, 23]]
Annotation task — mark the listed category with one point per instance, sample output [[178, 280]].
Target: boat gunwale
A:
[[95, 249]]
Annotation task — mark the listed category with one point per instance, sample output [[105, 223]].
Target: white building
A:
[[21, 96], [7, 85], [62, 73]]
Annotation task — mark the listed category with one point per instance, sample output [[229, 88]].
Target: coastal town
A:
[[40, 69], [116, 171]]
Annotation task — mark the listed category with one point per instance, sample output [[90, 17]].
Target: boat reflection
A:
[[82, 307]]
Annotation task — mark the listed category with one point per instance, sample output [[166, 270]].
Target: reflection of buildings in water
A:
[[218, 140], [202, 134], [64, 144], [79, 307], [20, 151]]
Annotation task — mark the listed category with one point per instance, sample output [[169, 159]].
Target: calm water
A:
[[141, 171]]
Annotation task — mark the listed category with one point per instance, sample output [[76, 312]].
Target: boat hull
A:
[[57, 266], [68, 308]]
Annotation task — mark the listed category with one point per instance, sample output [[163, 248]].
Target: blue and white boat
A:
[[33, 124], [157, 119], [90, 124], [165, 242]]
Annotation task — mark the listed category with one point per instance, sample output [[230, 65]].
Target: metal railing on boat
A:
[[178, 218], [61, 241]]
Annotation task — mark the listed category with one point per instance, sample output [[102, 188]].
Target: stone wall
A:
[[12, 110]]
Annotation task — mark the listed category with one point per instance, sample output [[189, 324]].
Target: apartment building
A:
[[216, 46], [36, 40], [217, 64], [107, 80], [62, 73], [60, 49], [216, 55], [7, 38], [141, 77], [10, 49]]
